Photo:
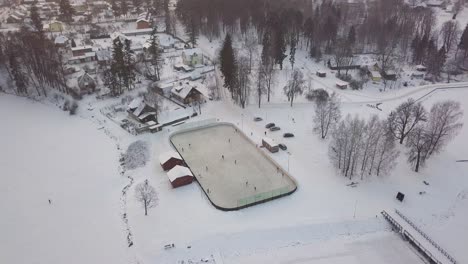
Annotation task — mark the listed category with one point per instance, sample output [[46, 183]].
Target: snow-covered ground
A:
[[73, 160], [46, 154]]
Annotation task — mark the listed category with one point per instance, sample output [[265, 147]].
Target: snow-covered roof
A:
[[81, 48], [164, 157], [142, 31], [178, 172], [145, 115], [190, 52], [183, 90], [375, 74], [60, 39], [115, 35], [270, 141], [139, 110], [135, 103]]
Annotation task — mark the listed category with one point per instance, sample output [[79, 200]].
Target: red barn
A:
[[180, 176], [169, 160]]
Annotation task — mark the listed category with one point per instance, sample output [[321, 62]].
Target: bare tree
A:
[[417, 144], [268, 76], [449, 33], [243, 82], [362, 147], [261, 83], [345, 145], [404, 118], [458, 7], [295, 85], [251, 44], [428, 139], [146, 195], [443, 124], [327, 115]]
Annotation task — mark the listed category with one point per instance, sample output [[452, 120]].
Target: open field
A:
[[231, 169]]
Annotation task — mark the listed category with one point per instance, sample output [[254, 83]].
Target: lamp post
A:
[[242, 121], [289, 155]]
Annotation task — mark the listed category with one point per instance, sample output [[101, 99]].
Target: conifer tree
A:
[[228, 63], [66, 11]]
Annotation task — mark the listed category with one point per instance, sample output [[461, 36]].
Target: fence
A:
[[426, 237], [263, 196], [196, 124]]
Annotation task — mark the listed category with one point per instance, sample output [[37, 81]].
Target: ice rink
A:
[[244, 176]]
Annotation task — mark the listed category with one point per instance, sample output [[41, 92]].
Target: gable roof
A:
[[178, 172], [84, 78], [164, 157], [60, 39]]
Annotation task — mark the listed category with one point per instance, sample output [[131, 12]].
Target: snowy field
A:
[[232, 170], [73, 160], [46, 154]]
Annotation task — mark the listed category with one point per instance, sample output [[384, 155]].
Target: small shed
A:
[[375, 76], [192, 57], [170, 159], [321, 73], [421, 68], [180, 176], [270, 144], [342, 85]]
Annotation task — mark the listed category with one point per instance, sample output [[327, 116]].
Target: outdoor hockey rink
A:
[[244, 177]]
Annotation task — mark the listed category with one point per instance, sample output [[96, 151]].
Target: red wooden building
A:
[[169, 160], [180, 176]]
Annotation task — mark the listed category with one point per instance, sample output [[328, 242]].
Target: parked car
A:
[[282, 146], [270, 125], [288, 135], [275, 128], [257, 119]]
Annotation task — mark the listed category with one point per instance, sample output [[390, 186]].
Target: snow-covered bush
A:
[[73, 107], [136, 156], [318, 95]]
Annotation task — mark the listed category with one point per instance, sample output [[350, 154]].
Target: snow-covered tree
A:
[[146, 195], [404, 119], [295, 86], [327, 115]]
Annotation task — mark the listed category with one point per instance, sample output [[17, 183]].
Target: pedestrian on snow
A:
[[206, 168], [235, 161], [255, 188], [50, 201], [222, 156], [265, 133]]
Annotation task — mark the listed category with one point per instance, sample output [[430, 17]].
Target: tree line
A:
[[32, 60], [363, 148]]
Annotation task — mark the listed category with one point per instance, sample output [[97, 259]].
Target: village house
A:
[[144, 21], [86, 83], [81, 85], [81, 50], [61, 41], [54, 26], [192, 57], [375, 76], [140, 111], [188, 92]]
